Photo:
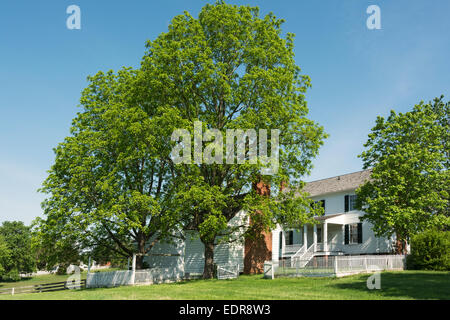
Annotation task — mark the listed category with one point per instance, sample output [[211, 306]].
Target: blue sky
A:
[[356, 73]]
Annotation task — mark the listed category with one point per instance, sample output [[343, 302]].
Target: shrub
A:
[[430, 250], [11, 276]]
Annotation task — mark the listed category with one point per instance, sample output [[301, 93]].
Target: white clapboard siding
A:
[[167, 255], [191, 252], [193, 255]]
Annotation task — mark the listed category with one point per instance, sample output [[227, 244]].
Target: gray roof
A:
[[344, 182]]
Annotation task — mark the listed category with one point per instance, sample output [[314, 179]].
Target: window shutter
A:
[[346, 234], [323, 204], [281, 240], [360, 232], [346, 203]]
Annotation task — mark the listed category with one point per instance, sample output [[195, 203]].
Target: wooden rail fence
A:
[[46, 287]]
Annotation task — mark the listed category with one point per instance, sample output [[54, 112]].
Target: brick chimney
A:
[[259, 249]]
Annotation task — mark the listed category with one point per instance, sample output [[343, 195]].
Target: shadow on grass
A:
[[408, 284]]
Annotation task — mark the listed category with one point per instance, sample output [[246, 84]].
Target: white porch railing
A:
[[292, 248], [302, 258], [336, 247], [333, 265]]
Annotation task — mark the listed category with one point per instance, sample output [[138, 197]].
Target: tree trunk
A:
[[208, 271], [141, 252], [139, 262], [400, 245]]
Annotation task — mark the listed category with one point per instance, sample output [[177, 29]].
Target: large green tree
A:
[[114, 182], [409, 187], [232, 69], [110, 184]]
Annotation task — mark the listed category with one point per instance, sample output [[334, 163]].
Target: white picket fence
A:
[[109, 279], [227, 271], [127, 278], [320, 266]]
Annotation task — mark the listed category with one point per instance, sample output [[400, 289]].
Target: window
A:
[[350, 202], [320, 203], [289, 238], [353, 233]]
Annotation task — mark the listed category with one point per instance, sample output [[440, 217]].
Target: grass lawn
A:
[[42, 279], [394, 285]]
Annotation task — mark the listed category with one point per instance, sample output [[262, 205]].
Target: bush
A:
[[430, 250], [11, 276]]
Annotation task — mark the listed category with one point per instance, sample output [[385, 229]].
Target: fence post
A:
[[365, 263], [12, 291], [336, 265], [133, 275], [272, 271]]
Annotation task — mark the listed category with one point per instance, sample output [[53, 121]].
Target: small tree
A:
[[408, 190]]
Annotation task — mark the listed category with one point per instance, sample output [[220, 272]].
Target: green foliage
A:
[[409, 187], [110, 183], [5, 257], [114, 183], [16, 255], [430, 250], [52, 250], [232, 69]]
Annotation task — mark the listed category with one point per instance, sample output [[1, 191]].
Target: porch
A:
[[324, 238]]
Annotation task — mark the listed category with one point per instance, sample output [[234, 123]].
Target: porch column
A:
[[315, 237], [325, 236], [305, 236]]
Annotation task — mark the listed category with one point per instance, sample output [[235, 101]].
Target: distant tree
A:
[[54, 249], [409, 187], [5, 258], [17, 238]]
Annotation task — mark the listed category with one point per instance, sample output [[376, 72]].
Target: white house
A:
[[338, 232]]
